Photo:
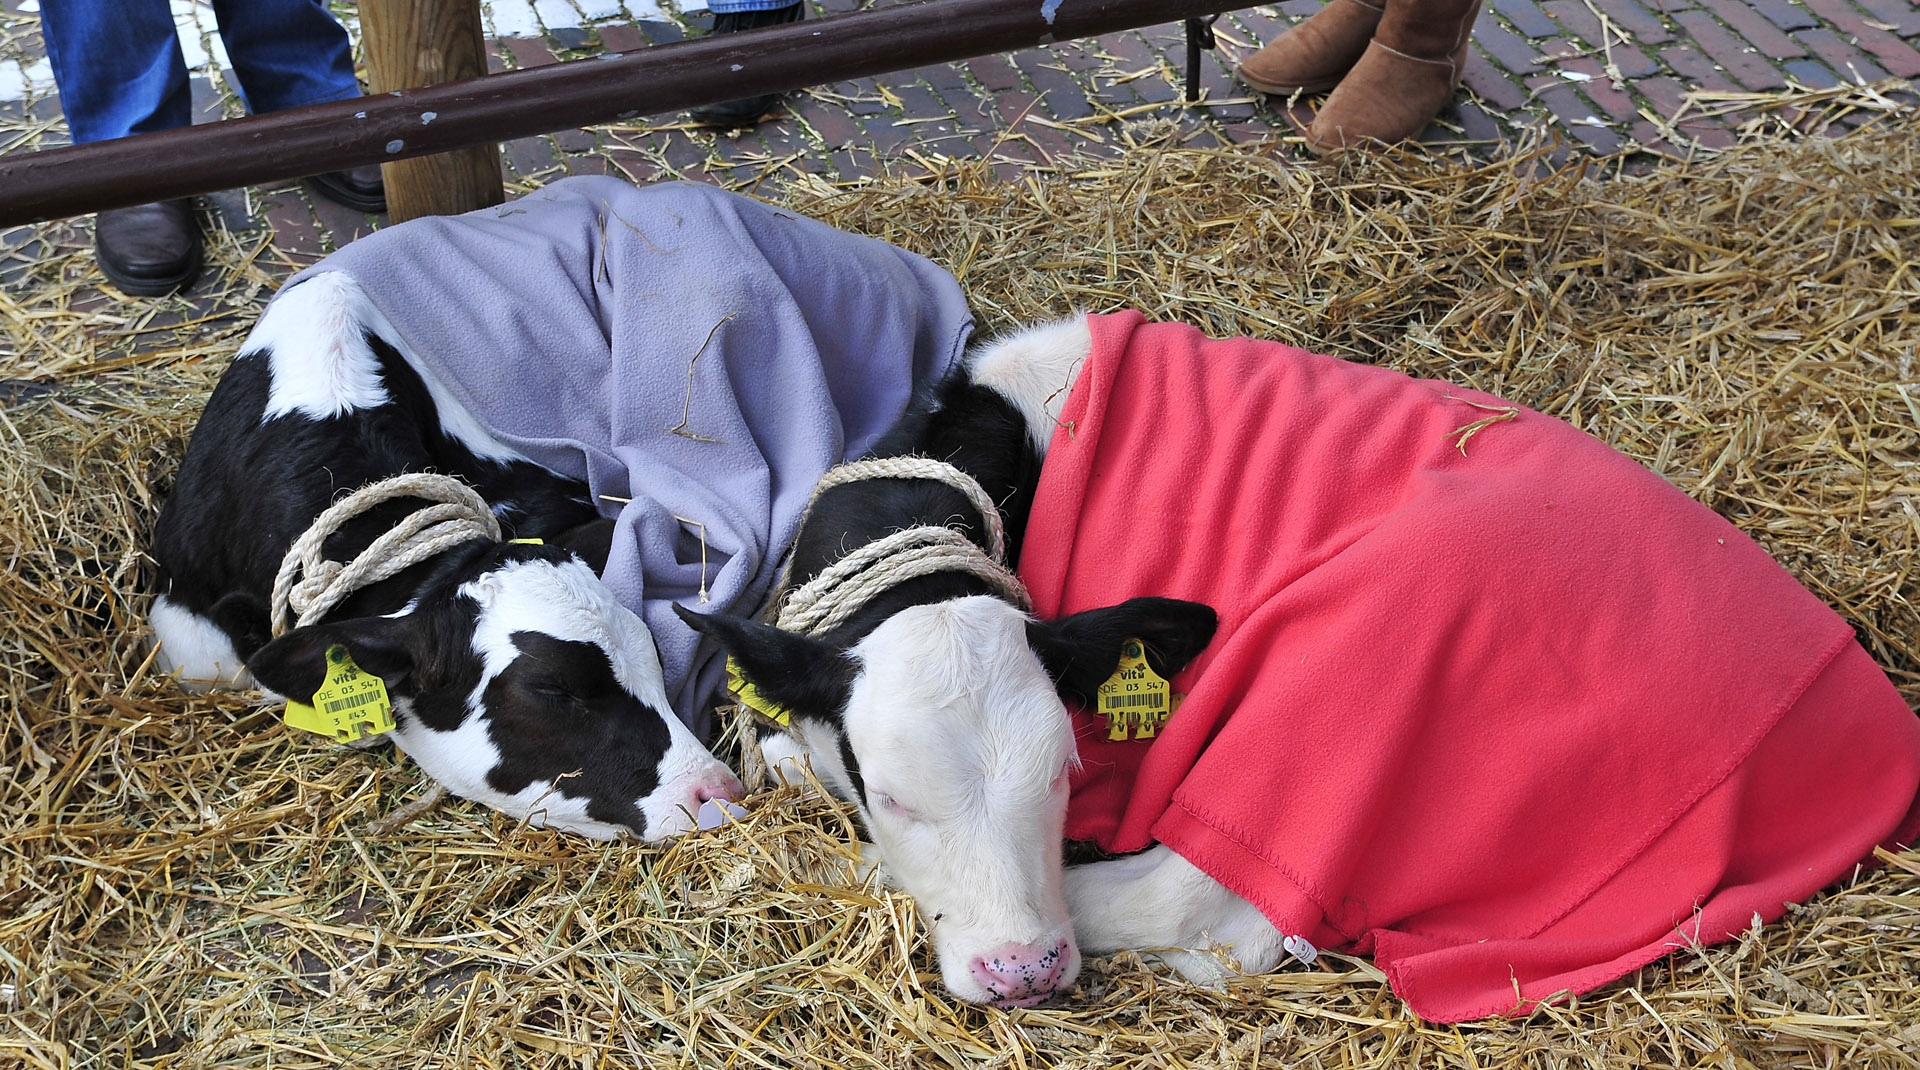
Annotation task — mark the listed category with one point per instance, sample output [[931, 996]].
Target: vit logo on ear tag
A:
[[751, 698], [1135, 700], [350, 705]]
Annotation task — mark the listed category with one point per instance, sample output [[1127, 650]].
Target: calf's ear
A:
[[1081, 651], [295, 665], [804, 675]]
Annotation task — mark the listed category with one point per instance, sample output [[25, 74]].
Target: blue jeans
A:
[[120, 70], [720, 7]]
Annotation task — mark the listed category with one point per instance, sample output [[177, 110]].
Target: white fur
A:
[[316, 334], [194, 649], [568, 602], [1034, 369], [316, 341], [954, 718], [1162, 905]]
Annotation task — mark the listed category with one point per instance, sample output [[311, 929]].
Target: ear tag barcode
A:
[[350, 705], [752, 699], [1135, 700]]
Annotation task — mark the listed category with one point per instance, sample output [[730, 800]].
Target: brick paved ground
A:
[[1599, 76]]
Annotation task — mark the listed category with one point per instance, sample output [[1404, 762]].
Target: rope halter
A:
[[309, 585], [828, 599]]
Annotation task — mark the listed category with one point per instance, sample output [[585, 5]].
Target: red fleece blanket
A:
[[1490, 701]]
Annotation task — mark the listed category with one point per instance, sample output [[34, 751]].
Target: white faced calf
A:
[[936, 706], [518, 680]]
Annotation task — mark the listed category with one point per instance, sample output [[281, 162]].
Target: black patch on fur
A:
[[1081, 651], [559, 710], [249, 487], [969, 426], [809, 677]]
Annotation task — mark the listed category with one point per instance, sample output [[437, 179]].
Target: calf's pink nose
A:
[[726, 787], [1022, 975]]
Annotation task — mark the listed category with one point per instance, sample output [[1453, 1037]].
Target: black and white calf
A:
[[936, 707], [518, 680]]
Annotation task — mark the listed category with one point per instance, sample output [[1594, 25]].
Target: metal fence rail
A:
[[499, 107]]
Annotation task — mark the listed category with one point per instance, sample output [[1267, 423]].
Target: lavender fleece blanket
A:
[[566, 321]]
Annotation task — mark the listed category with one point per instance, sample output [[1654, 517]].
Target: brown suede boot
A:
[[1313, 55], [1409, 72]]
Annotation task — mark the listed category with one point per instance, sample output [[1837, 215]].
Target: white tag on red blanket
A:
[[1300, 949]]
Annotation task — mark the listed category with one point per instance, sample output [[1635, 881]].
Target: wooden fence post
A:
[[415, 43]]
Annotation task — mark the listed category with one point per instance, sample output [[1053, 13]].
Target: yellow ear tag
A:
[[1135, 700], [528, 542], [751, 698], [350, 705]]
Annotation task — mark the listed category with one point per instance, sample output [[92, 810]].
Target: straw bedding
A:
[[185, 883]]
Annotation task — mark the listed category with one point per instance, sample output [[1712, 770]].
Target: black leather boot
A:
[[150, 249], [745, 111], [359, 188]]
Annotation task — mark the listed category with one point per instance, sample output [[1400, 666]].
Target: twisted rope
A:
[[827, 600], [309, 585], [921, 468]]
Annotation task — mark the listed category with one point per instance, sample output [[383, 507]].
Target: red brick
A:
[[294, 233], [340, 224], [1631, 62], [1491, 85], [1571, 109], [971, 111], [1740, 15], [919, 102], [574, 141], [1243, 133], [1476, 124], [1132, 50], [827, 118], [1649, 138], [1895, 55], [1599, 89], [995, 73], [530, 156], [1785, 15], [1902, 15], [1507, 50], [1259, 28], [943, 77], [1732, 53], [1527, 17], [587, 163], [1015, 106], [1812, 73], [634, 164], [1709, 133], [621, 37], [1696, 67], [685, 156], [1640, 24], [1290, 121], [1065, 97], [529, 51], [1841, 56], [1575, 18], [1665, 95]]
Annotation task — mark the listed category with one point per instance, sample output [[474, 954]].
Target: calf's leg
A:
[[1160, 905]]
